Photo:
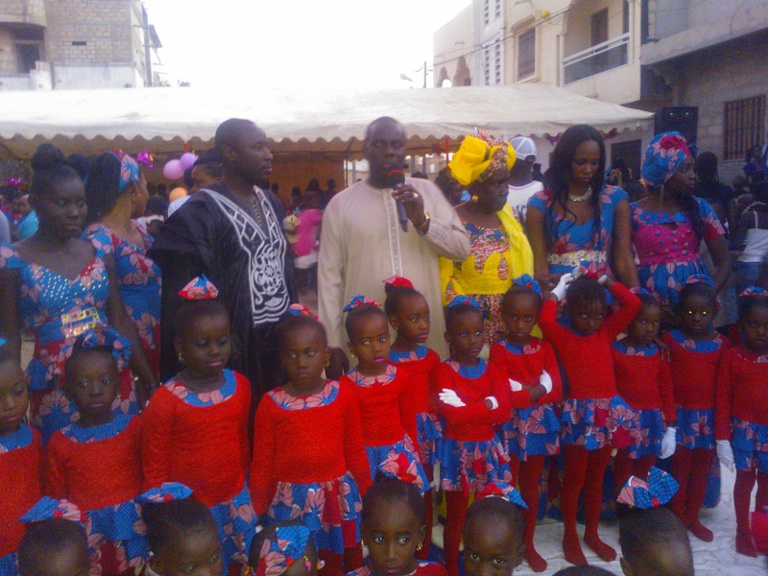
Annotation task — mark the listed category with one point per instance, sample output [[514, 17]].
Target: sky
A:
[[298, 43]]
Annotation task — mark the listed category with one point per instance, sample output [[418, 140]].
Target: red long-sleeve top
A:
[[473, 422], [96, 473], [21, 480], [644, 381], [305, 445], [694, 373], [384, 408], [587, 359], [526, 368], [204, 447], [417, 397], [742, 390]]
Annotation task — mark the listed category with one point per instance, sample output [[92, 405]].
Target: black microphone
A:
[[396, 178]]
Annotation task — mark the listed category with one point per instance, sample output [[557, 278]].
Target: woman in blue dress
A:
[[61, 288], [116, 193], [577, 220]]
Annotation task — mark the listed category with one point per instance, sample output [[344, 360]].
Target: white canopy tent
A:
[[327, 123]]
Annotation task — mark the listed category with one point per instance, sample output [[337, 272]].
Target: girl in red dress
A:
[[533, 432], [741, 413], [381, 390], [309, 462], [394, 531], [408, 314], [595, 418], [695, 349], [473, 397], [21, 458], [95, 463], [196, 426]]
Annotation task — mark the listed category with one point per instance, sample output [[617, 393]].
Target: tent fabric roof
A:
[[311, 121]]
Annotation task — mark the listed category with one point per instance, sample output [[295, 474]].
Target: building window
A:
[[744, 125], [631, 153], [599, 27], [497, 61], [487, 66], [487, 12], [526, 54], [497, 9], [625, 17]]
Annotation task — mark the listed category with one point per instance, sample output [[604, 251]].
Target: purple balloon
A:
[[173, 170], [187, 160]]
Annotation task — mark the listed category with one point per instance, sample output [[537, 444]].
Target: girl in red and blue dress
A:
[[741, 413], [644, 380], [533, 432], [695, 350], [21, 458], [95, 463], [408, 314], [394, 532], [195, 428], [473, 397], [381, 389], [309, 463], [595, 418]]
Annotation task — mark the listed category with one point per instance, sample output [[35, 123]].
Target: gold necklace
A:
[[586, 196]]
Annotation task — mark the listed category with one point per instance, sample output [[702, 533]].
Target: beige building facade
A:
[[66, 44]]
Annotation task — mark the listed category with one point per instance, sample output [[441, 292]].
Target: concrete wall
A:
[[68, 77], [709, 78], [8, 58], [23, 11]]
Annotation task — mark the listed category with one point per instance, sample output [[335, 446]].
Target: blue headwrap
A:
[[663, 157], [463, 301], [657, 491], [129, 170], [527, 281]]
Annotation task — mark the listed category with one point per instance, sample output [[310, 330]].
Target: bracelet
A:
[[424, 226]]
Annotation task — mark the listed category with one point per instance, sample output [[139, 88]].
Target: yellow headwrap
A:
[[480, 156]]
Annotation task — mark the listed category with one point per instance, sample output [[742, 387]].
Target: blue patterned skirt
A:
[[470, 466], [647, 438], [430, 432], [398, 461], [696, 428], [532, 431], [236, 523], [331, 510], [122, 528], [595, 423], [8, 565], [666, 280], [750, 445]]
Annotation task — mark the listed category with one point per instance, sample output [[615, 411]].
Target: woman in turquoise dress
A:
[[577, 220], [61, 288], [116, 193]]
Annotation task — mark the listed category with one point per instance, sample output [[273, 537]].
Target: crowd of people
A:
[[183, 413]]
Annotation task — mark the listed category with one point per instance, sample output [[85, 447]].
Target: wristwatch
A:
[[423, 228]]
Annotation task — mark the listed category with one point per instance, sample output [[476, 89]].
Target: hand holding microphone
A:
[[410, 204]]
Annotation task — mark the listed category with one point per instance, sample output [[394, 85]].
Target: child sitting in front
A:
[[381, 389], [21, 458], [182, 535], [55, 542], [309, 461], [95, 462], [394, 532], [493, 537], [473, 397], [595, 418], [741, 413], [195, 428], [653, 540], [533, 432]]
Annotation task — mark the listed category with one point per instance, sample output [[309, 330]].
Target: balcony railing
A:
[[596, 59]]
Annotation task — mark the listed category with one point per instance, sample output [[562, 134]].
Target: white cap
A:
[[524, 147]]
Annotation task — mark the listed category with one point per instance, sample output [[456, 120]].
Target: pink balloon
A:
[[187, 160], [173, 170]]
